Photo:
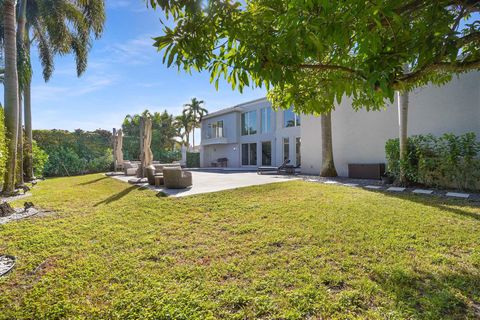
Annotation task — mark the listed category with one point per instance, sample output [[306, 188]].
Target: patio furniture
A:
[[159, 180], [279, 169], [176, 178], [152, 173], [130, 168]]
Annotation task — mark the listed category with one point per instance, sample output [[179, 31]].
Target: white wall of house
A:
[[360, 136]]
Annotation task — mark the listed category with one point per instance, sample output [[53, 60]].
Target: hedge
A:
[[74, 153], [448, 161], [193, 160]]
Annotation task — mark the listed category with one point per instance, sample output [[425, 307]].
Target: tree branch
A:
[[455, 67], [328, 67]]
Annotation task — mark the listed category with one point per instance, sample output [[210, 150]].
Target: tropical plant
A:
[[55, 27], [11, 93], [183, 123], [164, 134], [313, 53], [195, 111]]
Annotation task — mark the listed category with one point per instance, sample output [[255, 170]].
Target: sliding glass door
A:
[[249, 154]]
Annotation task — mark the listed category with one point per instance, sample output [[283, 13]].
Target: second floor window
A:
[[266, 115], [215, 130], [290, 118], [249, 123]]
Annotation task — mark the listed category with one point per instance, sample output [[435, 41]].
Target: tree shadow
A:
[[423, 295], [118, 196], [454, 206], [91, 181]]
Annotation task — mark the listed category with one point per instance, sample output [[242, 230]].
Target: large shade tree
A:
[[314, 53]]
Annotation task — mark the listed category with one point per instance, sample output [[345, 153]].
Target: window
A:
[[215, 130], [249, 123], [286, 149], [249, 154], [298, 155], [266, 115], [266, 153], [290, 118]]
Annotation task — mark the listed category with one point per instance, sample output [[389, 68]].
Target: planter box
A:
[[366, 170]]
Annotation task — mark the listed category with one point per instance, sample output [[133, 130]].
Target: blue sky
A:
[[125, 75]]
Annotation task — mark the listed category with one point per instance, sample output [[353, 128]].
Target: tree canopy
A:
[[312, 53]]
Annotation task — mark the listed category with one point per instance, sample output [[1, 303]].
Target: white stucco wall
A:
[[359, 137]]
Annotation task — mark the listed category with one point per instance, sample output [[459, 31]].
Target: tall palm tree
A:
[[57, 27], [196, 112], [11, 92], [183, 123]]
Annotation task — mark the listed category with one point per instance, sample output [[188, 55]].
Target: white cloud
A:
[[137, 51]]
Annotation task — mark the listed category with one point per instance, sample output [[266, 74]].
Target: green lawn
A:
[[287, 250]]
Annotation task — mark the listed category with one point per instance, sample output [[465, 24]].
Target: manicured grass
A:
[[287, 250]]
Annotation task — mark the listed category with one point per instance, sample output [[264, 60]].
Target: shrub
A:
[[103, 163], [64, 162], [40, 159], [446, 161], [193, 160], [165, 156]]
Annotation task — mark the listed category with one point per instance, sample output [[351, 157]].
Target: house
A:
[[252, 134]]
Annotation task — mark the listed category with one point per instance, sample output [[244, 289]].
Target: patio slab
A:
[[209, 181]]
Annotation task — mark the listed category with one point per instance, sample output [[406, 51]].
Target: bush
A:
[[40, 159], [193, 160], [103, 163], [448, 161], [167, 156], [64, 162]]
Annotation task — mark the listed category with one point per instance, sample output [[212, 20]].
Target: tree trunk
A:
[[29, 175], [328, 165], [193, 137], [19, 166], [22, 20], [403, 135], [10, 94]]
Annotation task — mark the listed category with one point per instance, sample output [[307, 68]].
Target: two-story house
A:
[[250, 135]]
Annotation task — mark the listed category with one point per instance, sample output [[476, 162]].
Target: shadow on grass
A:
[[118, 196], [438, 202], [92, 181], [425, 295]]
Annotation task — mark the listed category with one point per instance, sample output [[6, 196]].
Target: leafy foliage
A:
[[193, 160], [78, 152], [313, 53], [447, 161], [164, 133], [40, 159]]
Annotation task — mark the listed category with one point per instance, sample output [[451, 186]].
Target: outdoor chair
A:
[[130, 168], [176, 178], [279, 169], [152, 172]]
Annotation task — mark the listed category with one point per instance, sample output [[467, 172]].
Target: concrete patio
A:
[[205, 181]]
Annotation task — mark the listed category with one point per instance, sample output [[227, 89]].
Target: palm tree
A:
[[196, 112], [11, 93], [183, 123], [57, 27]]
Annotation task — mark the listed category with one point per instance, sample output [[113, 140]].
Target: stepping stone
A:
[[6, 264], [458, 195], [422, 191], [330, 182], [350, 184], [312, 180], [373, 187], [396, 189]]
